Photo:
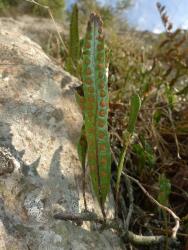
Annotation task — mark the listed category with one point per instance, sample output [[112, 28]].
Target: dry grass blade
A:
[[54, 22]]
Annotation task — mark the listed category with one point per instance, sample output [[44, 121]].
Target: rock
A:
[[39, 126], [6, 162]]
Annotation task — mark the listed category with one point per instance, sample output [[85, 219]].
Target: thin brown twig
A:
[[53, 20], [133, 238], [176, 218], [174, 193], [160, 230]]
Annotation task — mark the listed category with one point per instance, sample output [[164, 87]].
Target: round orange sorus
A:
[[82, 106], [102, 113], [103, 174], [101, 135], [91, 130], [90, 89], [102, 85], [88, 45], [100, 46], [101, 74], [103, 161], [91, 99], [101, 123], [100, 66], [88, 81], [90, 106], [92, 156], [91, 142], [88, 71], [100, 53], [100, 57], [103, 104], [81, 100], [102, 93], [102, 147], [90, 113]]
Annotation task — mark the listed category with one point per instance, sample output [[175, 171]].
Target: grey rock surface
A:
[[39, 126]]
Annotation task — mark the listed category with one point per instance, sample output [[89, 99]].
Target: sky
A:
[[144, 15]]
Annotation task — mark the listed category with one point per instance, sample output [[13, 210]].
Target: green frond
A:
[[96, 103]]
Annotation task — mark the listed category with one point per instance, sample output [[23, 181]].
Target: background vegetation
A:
[[15, 7]]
